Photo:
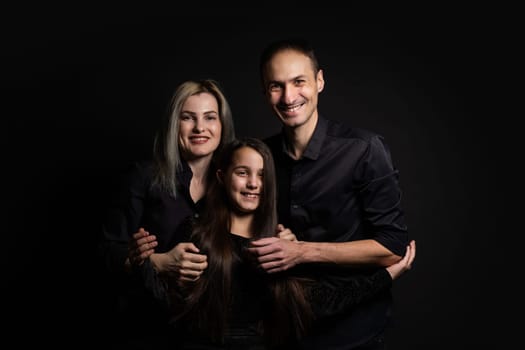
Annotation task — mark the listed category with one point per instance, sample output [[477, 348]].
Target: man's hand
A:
[[276, 254]]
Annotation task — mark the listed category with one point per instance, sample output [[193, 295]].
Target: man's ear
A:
[[320, 80]]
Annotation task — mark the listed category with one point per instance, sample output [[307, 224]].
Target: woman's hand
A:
[[141, 247]]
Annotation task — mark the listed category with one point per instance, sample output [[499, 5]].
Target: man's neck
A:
[[299, 137]]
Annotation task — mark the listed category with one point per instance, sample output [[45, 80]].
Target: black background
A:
[[83, 90]]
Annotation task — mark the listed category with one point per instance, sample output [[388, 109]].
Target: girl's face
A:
[[243, 179], [200, 126]]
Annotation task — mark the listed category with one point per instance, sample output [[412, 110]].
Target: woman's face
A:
[[243, 179], [199, 126]]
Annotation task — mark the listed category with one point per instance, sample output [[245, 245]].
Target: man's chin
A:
[[291, 121], [295, 123]]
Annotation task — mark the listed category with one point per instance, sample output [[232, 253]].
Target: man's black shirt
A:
[[345, 187]]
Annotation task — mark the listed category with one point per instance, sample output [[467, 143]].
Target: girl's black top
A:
[[329, 296]]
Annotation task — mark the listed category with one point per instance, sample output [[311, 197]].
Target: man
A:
[[338, 192]]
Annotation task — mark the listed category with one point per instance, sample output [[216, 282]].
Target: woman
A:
[[157, 197], [234, 303]]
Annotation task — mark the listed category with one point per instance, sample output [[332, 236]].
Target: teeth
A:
[[293, 108]]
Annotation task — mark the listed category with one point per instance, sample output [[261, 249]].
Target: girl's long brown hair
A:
[[208, 301]]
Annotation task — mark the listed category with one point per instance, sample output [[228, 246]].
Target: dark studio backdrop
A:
[[83, 92]]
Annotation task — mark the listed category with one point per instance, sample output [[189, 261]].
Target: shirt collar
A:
[[313, 149]]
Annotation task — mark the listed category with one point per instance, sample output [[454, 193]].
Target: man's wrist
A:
[[310, 253]]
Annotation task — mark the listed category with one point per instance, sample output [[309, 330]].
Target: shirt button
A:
[[196, 215], [295, 206]]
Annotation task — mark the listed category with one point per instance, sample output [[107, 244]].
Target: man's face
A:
[[292, 87]]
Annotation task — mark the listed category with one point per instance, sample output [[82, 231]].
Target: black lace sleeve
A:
[[154, 284], [329, 297]]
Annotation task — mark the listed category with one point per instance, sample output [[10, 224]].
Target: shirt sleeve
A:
[[154, 284], [163, 288], [122, 217], [380, 195]]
